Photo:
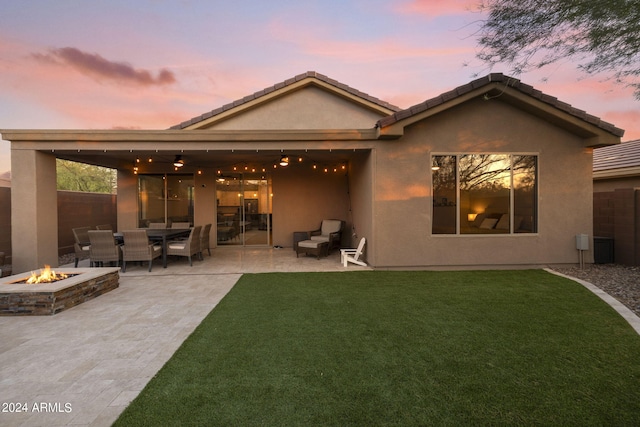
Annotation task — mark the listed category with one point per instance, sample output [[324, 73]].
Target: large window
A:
[[484, 193]]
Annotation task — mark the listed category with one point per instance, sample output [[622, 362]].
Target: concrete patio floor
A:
[[83, 366]]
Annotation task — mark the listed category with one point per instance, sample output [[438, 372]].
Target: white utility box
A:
[[582, 242]]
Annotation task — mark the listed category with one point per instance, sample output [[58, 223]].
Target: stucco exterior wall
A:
[[34, 217], [310, 108], [403, 194], [361, 178], [127, 200], [205, 204], [302, 198]]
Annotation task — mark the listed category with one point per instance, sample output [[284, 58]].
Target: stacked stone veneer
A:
[[52, 298]]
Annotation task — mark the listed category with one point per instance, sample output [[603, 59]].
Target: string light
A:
[[247, 167]]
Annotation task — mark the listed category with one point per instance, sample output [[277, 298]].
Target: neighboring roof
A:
[[500, 83], [617, 160], [282, 87]]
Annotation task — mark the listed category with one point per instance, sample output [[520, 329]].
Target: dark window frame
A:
[[518, 212]]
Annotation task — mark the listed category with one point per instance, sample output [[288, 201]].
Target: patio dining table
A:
[[163, 235]]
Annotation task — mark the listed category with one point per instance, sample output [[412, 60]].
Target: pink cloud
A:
[[60, 99], [100, 68]]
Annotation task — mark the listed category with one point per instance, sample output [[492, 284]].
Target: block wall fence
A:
[[616, 215], [75, 209]]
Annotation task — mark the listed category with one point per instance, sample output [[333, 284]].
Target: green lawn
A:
[[401, 348]]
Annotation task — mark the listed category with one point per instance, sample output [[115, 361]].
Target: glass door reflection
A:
[[243, 210]]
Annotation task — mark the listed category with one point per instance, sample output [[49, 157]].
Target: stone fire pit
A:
[[21, 299]]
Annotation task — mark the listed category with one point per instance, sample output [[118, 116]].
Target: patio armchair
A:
[[186, 248], [103, 248], [204, 240], [104, 227], [330, 231], [137, 248], [81, 246]]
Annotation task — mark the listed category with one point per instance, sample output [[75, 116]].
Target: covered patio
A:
[[324, 171]]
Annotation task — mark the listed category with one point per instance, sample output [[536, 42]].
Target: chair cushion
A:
[[177, 245], [330, 226], [308, 244], [320, 239]]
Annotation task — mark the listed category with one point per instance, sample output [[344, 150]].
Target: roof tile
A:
[[618, 156]]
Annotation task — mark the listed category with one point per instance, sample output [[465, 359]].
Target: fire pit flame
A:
[[47, 275]]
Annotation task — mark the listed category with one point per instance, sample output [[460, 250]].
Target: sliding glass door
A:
[[243, 210], [165, 199]]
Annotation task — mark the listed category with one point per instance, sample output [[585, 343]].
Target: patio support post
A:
[[127, 205], [34, 210]]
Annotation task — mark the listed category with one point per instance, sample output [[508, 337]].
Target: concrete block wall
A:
[[603, 214], [616, 214]]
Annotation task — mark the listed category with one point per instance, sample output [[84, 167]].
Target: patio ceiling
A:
[[195, 160]]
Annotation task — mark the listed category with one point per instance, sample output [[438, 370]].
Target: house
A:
[[616, 201], [491, 173]]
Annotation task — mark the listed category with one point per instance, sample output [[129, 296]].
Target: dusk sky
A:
[[150, 64]]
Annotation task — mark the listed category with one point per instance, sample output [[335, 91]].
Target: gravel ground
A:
[[621, 282]]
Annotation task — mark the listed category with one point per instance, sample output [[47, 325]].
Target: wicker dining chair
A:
[[137, 248], [204, 240], [188, 247], [81, 246], [103, 248]]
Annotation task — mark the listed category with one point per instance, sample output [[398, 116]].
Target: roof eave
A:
[[617, 173], [205, 135]]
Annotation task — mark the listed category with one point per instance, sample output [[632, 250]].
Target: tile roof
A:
[[507, 81], [281, 85], [624, 155]]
